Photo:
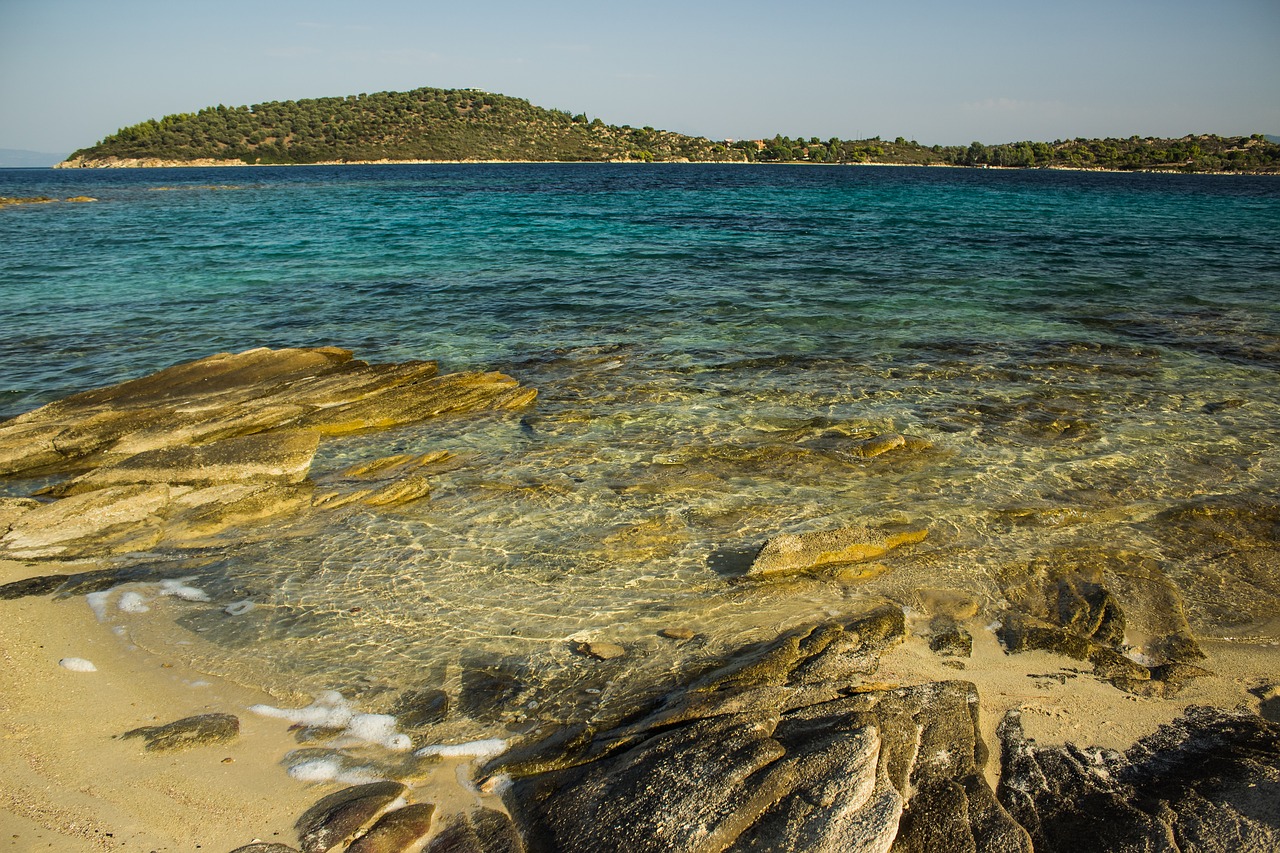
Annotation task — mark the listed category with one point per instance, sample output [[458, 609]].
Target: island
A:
[[470, 125]]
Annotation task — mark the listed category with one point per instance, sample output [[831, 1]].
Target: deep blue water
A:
[[490, 264]]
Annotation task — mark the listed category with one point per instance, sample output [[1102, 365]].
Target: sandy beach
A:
[[71, 784]]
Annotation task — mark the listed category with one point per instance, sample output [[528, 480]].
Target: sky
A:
[[74, 71]]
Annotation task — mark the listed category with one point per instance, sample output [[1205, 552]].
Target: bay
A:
[[1083, 358]]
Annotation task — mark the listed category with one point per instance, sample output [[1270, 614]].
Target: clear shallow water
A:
[[709, 343]]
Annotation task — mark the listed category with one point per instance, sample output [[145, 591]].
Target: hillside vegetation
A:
[[467, 124]]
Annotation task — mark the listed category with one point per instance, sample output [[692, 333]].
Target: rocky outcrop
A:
[[1065, 605], [226, 441], [783, 748], [1209, 781]]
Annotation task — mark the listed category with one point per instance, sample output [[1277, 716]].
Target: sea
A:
[[1082, 362]]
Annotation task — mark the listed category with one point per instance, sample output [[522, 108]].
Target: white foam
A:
[[77, 665], [179, 589], [239, 608], [330, 711], [332, 770], [379, 729], [132, 602], [97, 602], [477, 749]]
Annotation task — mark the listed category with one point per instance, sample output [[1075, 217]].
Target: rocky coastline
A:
[[808, 741]]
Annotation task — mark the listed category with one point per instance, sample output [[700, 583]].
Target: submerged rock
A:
[[797, 552], [415, 709], [950, 640], [600, 650], [200, 730]]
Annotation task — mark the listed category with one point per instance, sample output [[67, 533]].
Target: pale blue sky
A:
[[73, 71]]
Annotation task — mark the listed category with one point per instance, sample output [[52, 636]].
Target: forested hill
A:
[[424, 124], [467, 124]]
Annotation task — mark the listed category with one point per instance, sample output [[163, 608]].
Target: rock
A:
[[951, 640], [1223, 405], [415, 709], [123, 517], [674, 633], [322, 391], [396, 831], [200, 730], [342, 814], [797, 552], [276, 457], [600, 650], [1207, 781], [179, 457], [478, 831], [80, 199], [779, 749], [265, 847], [826, 776], [879, 444], [11, 509]]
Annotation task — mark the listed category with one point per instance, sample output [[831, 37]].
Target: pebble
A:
[[678, 633], [601, 650]]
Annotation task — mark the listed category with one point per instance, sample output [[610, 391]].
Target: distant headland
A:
[[469, 125]]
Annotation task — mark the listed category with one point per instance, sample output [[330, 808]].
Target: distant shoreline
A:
[[155, 163]]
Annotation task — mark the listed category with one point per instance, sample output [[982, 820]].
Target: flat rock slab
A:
[[201, 730], [322, 390], [178, 457], [798, 552]]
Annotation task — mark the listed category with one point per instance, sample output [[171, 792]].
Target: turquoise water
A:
[[708, 342]]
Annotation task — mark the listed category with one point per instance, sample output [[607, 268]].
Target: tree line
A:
[[468, 124]]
